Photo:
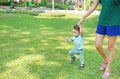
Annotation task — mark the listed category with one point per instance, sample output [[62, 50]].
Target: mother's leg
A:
[[98, 45], [111, 49]]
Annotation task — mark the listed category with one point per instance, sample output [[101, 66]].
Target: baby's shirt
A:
[[78, 42]]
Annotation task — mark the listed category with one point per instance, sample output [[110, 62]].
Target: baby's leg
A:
[[81, 56], [72, 52]]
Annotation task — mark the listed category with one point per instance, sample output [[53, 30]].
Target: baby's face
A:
[[75, 32]]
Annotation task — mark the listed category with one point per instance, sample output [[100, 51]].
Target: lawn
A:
[[33, 47]]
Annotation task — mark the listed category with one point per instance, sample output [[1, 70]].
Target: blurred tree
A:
[[12, 6]]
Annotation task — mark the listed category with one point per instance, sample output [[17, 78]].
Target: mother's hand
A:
[[80, 23]]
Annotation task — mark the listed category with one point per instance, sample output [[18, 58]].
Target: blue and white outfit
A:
[[78, 47]]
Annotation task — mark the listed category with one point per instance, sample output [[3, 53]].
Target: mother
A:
[[108, 24]]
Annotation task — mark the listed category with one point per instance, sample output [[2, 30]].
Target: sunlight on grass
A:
[[4, 44], [90, 39], [19, 33], [19, 68], [12, 31], [63, 46], [25, 33], [46, 30], [4, 31], [118, 46], [15, 73], [25, 59], [64, 33], [32, 49], [5, 27], [90, 47], [60, 38], [25, 40]]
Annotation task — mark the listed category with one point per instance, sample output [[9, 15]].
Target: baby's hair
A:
[[76, 27]]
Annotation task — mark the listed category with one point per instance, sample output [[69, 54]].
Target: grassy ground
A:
[[33, 47]]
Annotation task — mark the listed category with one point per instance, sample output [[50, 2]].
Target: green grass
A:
[[33, 47]]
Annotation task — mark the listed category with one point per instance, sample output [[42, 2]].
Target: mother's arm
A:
[[91, 9]]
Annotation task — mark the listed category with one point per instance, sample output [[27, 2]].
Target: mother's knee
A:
[[111, 47], [98, 46]]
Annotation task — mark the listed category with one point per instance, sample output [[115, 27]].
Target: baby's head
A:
[[76, 30]]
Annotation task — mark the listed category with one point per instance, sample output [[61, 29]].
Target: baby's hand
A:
[[67, 40]]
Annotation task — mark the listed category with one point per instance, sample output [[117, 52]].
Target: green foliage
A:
[[71, 3], [89, 3], [63, 6], [43, 3], [57, 5], [51, 15], [36, 13], [14, 11], [35, 5], [3, 0]]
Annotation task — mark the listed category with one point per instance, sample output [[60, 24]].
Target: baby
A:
[[78, 48]]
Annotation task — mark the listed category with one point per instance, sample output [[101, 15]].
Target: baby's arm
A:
[[70, 39]]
